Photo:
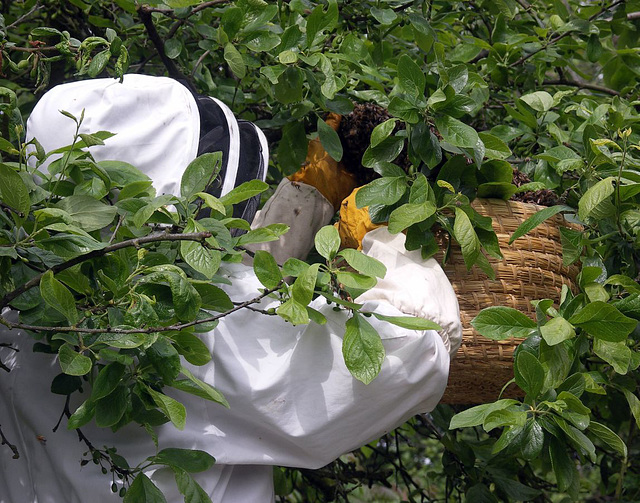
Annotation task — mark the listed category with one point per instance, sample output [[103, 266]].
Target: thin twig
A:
[[148, 330], [5, 441], [23, 18], [562, 35], [581, 85], [115, 231], [137, 242], [83, 438]]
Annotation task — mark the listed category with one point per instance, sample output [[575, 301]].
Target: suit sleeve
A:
[[294, 402]]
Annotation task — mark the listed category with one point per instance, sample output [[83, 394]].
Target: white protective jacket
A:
[[292, 399]]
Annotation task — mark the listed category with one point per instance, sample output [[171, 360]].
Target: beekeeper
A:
[[292, 400]]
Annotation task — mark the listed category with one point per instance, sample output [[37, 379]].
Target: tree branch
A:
[[148, 330], [544, 47], [144, 12], [581, 85], [137, 242], [562, 35], [38, 6], [6, 442], [83, 438]]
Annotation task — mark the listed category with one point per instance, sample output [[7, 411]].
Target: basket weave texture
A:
[[531, 269]]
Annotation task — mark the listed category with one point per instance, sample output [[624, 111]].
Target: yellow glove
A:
[[354, 222], [321, 171]]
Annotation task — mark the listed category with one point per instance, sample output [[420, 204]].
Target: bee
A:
[[42, 439]]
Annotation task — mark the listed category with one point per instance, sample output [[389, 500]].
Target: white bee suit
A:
[[292, 399]]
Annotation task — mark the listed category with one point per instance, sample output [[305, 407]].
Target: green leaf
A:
[[456, 133], [504, 417], [189, 460], [466, 236], [98, 63], [122, 341], [563, 466], [616, 354], [194, 253], [82, 415], [593, 197], [271, 232], [410, 322], [294, 312], [634, 405], [142, 490], [363, 263], [355, 281], [330, 140], [165, 359], [189, 488], [495, 148], [266, 269], [87, 213], [411, 78], [107, 380], [499, 323], [327, 242], [475, 416], [540, 101], [111, 408], [385, 190], [289, 89], [409, 214], [58, 296], [199, 388], [607, 436], [211, 201], [532, 438], [603, 321], [200, 173], [594, 48], [626, 282], [571, 245], [557, 330], [13, 191], [382, 131], [304, 285], [362, 349], [194, 350], [385, 151], [173, 409], [320, 20], [529, 374], [480, 493], [244, 191], [536, 219], [234, 59], [516, 490], [404, 109], [578, 439], [384, 16]]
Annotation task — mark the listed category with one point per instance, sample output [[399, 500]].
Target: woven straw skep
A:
[[531, 269]]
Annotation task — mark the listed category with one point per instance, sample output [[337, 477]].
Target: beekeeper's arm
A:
[[292, 400]]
